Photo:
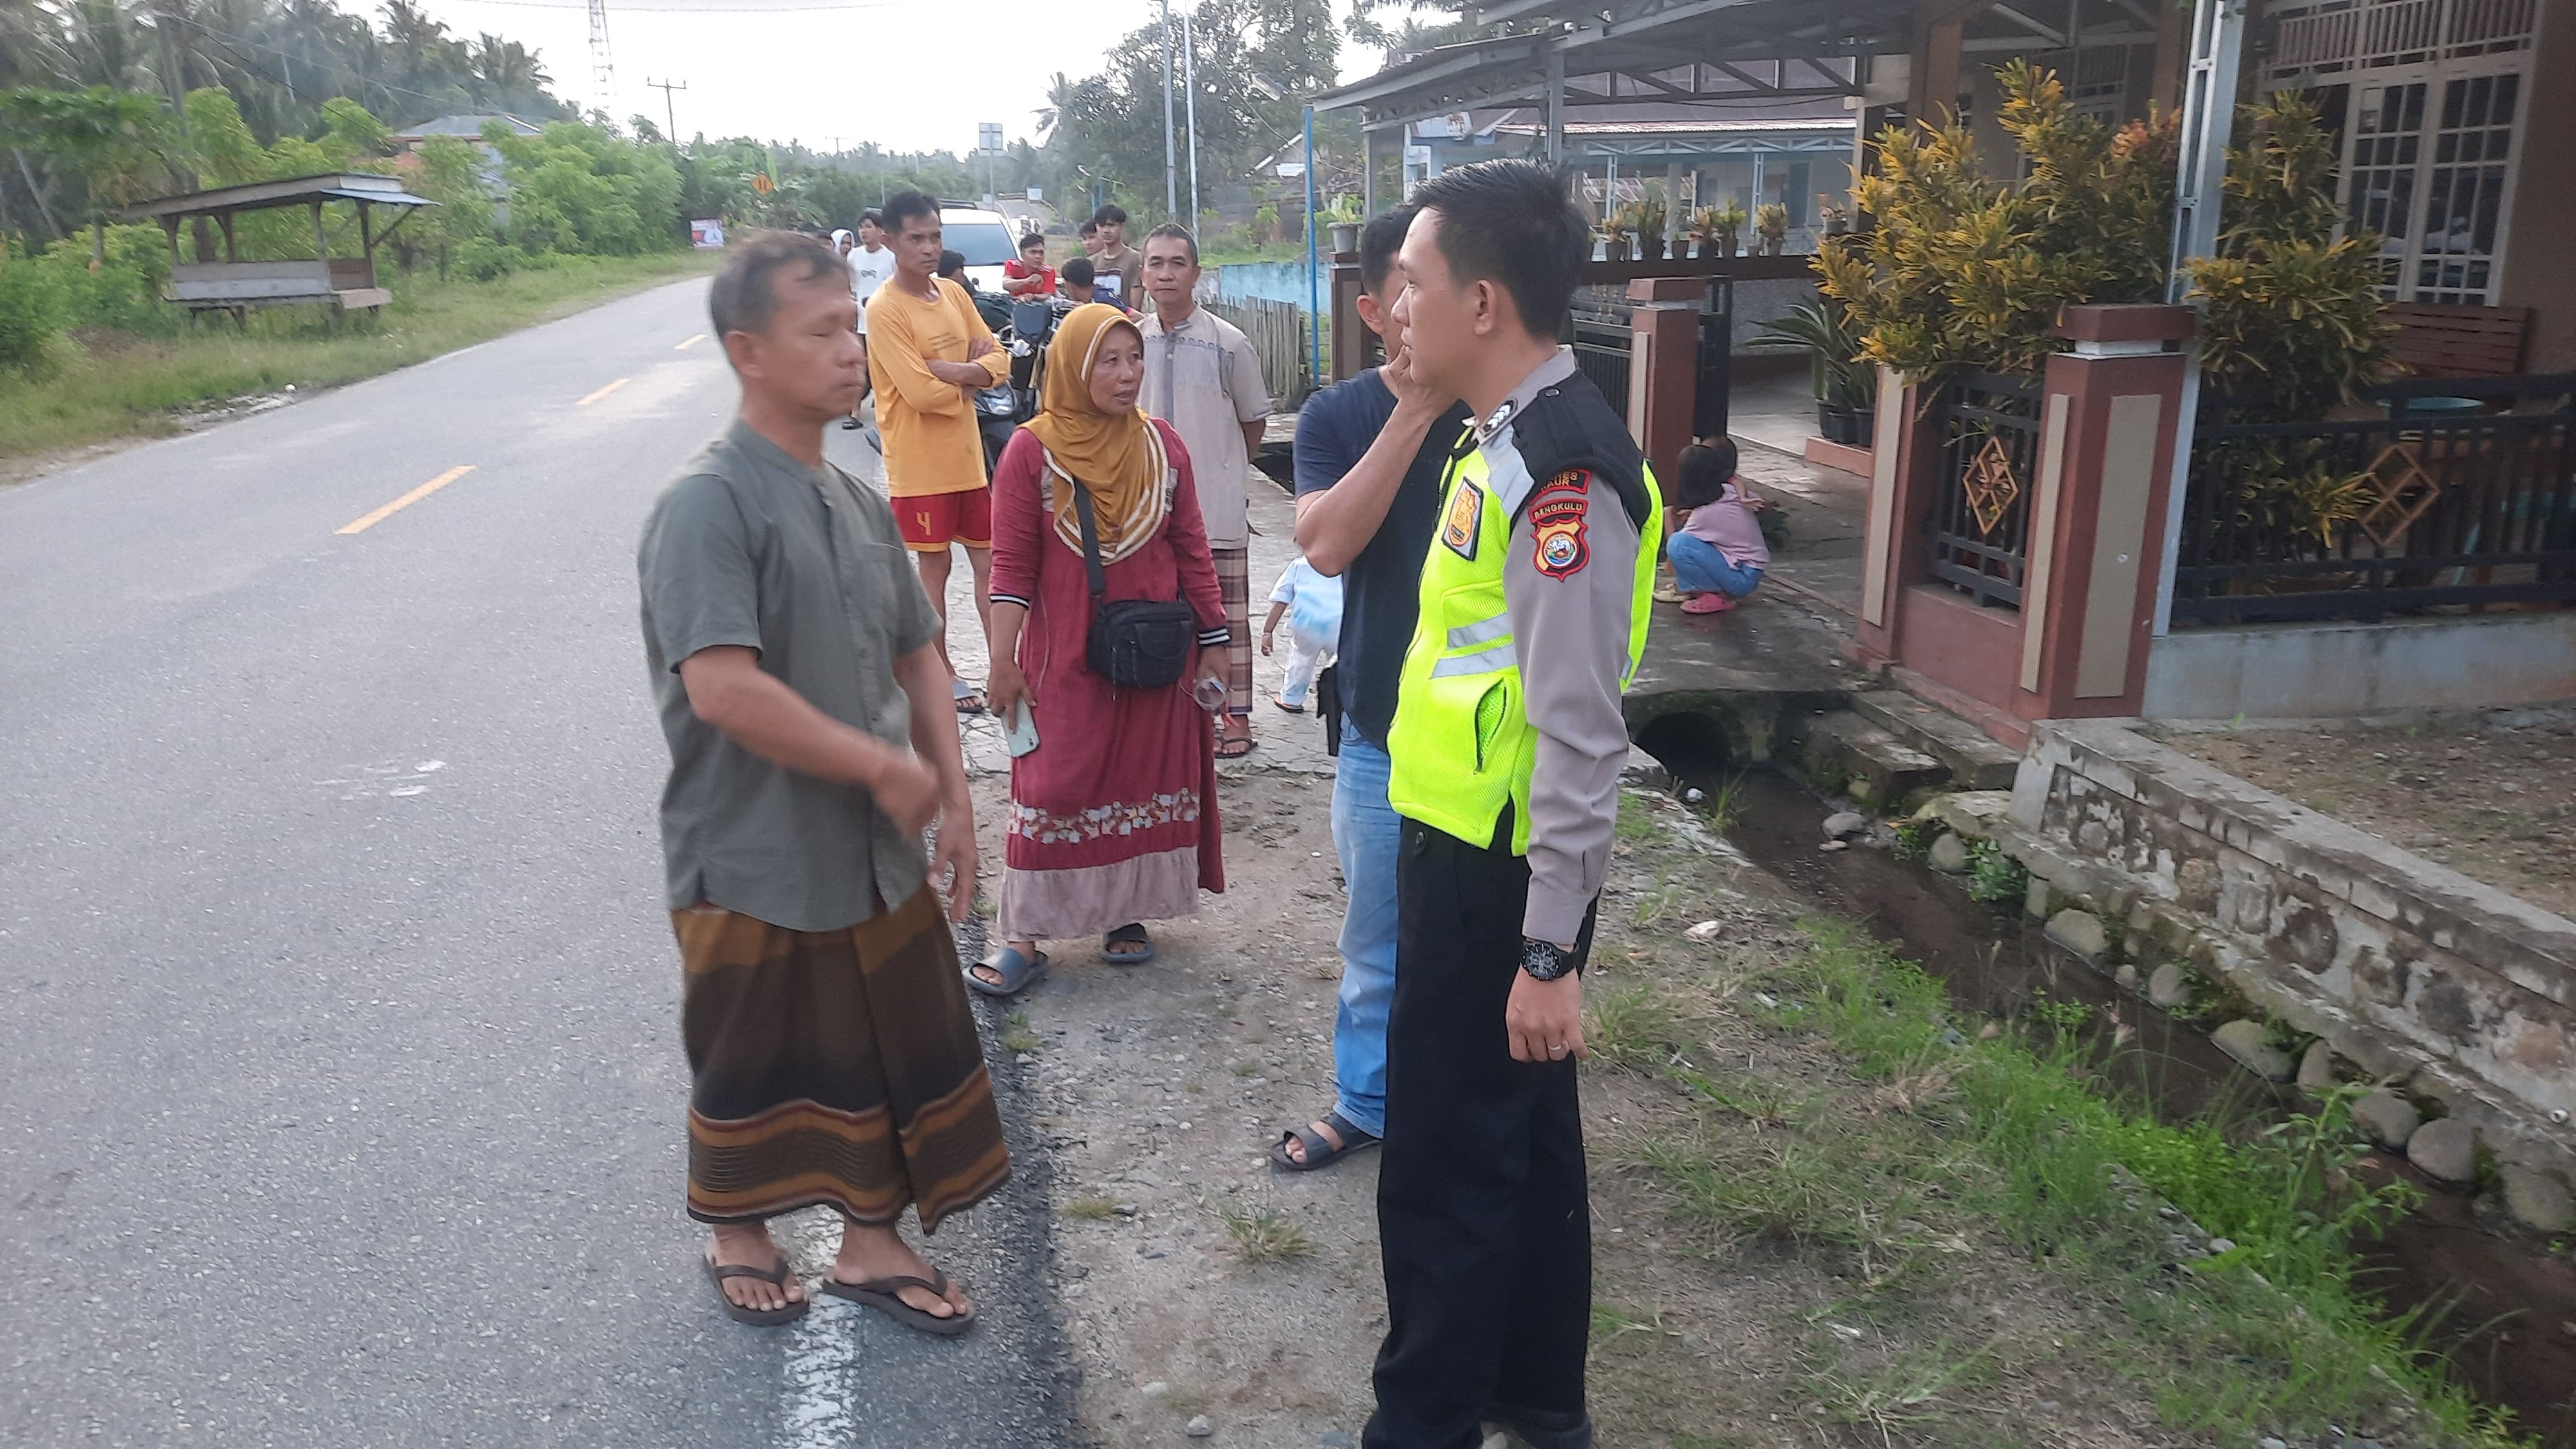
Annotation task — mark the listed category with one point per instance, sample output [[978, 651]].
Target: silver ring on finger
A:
[[1557, 1050]]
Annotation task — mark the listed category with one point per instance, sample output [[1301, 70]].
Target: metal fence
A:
[[1601, 350], [1980, 522], [2418, 510], [1277, 331]]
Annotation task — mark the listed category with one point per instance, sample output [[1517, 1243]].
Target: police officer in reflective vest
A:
[[1506, 751]]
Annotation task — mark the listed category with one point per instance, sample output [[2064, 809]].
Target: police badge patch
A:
[[1466, 512], [1559, 547]]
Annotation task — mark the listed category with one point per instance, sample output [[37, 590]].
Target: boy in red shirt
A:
[[1028, 275]]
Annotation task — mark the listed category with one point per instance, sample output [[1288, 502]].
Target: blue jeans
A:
[[1700, 569], [1366, 834]]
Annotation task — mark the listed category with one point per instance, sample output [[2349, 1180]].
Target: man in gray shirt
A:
[[832, 1055]]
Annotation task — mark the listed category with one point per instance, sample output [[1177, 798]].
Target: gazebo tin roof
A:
[[262, 195]]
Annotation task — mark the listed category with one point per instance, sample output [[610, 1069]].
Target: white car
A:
[[983, 237]]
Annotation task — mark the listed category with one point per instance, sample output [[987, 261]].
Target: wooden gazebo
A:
[[233, 285]]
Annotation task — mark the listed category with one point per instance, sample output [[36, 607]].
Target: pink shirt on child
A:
[[1729, 524]]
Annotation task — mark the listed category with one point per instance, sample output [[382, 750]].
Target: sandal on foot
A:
[[970, 700], [885, 1295], [1235, 747], [1018, 972], [1131, 934], [1707, 604], [1290, 708], [1320, 1151], [717, 1273]]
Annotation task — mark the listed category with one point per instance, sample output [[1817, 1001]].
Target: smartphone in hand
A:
[[1020, 735]]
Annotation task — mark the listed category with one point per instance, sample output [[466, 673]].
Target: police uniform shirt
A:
[[1569, 585]]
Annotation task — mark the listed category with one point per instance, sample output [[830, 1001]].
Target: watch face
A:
[[1543, 960]]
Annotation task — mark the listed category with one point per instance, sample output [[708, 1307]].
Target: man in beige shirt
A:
[[1202, 377], [1118, 267]]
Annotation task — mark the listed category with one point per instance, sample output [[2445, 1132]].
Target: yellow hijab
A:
[[1118, 457]]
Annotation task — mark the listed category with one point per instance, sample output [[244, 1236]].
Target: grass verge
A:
[[1917, 1167], [103, 387]]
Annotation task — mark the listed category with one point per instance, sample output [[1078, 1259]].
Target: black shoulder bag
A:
[[1134, 643]]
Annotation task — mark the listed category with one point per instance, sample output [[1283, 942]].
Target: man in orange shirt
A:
[[929, 354]]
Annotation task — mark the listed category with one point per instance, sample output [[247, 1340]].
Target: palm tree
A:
[[1059, 100], [506, 73]]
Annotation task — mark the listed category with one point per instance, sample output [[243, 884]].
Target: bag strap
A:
[[1090, 539]]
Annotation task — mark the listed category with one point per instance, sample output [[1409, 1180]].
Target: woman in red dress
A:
[[1113, 818]]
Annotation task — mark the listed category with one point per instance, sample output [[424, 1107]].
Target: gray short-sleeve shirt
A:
[[747, 546]]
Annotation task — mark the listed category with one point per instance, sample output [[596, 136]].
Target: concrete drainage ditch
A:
[[2475, 1257]]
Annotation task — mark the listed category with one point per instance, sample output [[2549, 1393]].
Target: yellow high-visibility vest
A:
[[1461, 747]]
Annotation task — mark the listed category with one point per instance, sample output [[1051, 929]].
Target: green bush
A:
[[482, 259], [125, 293], [26, 324]]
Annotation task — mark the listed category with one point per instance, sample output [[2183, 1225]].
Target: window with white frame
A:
[[2428, 96]]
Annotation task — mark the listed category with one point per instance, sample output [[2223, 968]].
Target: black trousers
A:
[[1481, 1206]]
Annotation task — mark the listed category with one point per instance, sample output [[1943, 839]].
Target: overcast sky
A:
[[909, 75]]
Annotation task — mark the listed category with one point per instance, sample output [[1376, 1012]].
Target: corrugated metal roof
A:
[[292, 191]]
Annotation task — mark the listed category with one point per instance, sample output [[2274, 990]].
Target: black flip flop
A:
[[1320, 1152], [1131, 934], [885, 1296], [717, 1273]]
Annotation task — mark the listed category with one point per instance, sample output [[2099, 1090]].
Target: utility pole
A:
[[670, 118], [1190, 79], [1171, 164]]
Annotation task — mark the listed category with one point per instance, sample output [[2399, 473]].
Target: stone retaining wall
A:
[[2455, 995]]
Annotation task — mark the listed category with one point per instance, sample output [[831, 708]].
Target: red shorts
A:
[[933, 521]]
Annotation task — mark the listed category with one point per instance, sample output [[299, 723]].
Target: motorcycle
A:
[[1000, 409]]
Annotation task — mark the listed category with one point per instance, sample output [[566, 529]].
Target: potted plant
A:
[[1650, 217], [1730, 228], [1771, 221], [1836, 216], [1614, 236], [1344, 219], [1844, 397]]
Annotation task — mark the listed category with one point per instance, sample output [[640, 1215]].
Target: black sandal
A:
[[885, 1296], [717, 1273], [1320, 1152], [1131, 934]]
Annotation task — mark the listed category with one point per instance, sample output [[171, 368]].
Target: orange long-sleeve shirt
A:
[[931, 441]]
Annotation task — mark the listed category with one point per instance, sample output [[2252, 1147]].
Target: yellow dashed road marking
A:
[[361, 525]]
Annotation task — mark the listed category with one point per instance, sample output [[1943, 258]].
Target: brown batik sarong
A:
[[1234, 587], [833, 1067]]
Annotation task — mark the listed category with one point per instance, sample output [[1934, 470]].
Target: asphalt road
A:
[[338, 1005]]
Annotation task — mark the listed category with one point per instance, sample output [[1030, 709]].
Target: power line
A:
[[631, 9], [290, 87]]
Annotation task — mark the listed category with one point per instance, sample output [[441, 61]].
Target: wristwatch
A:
[[1545, 960]]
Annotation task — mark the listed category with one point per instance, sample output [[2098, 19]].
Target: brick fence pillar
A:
[[1663, 367], [1348, 351], [2097, 520]]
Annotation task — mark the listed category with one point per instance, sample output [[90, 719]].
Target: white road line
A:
[[821, 1372]]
